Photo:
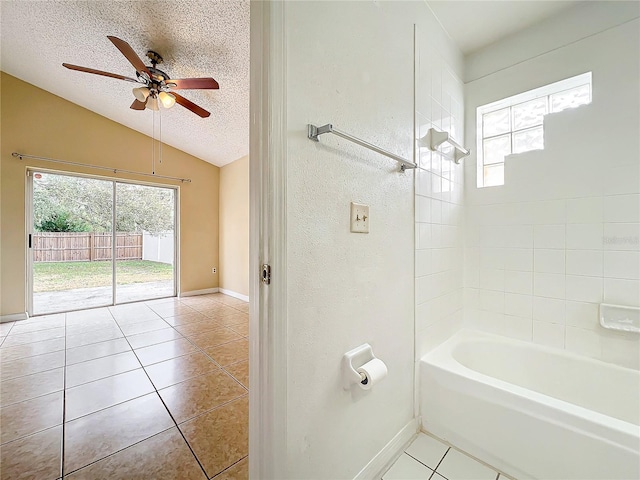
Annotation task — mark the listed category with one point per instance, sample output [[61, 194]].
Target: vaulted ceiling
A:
[[197, 38]]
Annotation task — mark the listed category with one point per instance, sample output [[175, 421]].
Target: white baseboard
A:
[[231, 293], [378, 464], [13, 317], [199, 292]]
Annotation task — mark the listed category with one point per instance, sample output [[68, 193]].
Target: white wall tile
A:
[[518, 282], [548, 260], [423, 262], [492, 279], [584, 289], [518, 305], [549, 236], [549, 211], [624, 265], [424, 235], [549, 310], [491, 301], [520, 259], [586, 236], [621, 349], [436, 211], [621, 236], [422, 289], [492, 236], [520, 328], [583, 315], [584, 210], [423, 183], [548, 334], [584, 262], [492, 257], [622, 179], [585, 216], [622, 208], [549, 285], [423, 209], [519, 236], [622, 292]]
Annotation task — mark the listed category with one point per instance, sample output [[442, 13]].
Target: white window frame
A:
[[544, 91]]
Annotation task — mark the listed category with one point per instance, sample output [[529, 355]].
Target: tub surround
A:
[[561, 235]]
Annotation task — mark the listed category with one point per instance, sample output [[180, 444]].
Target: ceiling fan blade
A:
[[189, 105], [98, 72], [192, 83], [130, 54], [138, 105]]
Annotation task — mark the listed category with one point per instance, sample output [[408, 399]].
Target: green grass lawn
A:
[[58, 276]]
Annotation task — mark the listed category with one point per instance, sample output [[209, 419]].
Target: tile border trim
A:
[[204, 291], [390, 452], [13, 317], [233, 294]]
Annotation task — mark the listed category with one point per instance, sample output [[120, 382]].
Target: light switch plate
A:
[[359, 218]]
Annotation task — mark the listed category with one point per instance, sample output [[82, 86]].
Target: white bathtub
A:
[[533, 411]]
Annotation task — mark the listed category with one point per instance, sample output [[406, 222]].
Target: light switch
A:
[[359, 218]]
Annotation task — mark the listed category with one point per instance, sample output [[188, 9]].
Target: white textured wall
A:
[[562, 234], [351, 64], [439, 196]]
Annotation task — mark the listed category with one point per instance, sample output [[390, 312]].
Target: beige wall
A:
[[234, 226], [36, 122]]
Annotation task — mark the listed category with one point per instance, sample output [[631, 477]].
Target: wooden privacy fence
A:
[[85, 247]]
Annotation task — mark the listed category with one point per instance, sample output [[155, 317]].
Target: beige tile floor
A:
[[151, 390]]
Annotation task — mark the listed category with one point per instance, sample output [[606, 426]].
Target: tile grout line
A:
[[230, 466], [116, 452], [435, 470], [161, 399], [158, 316]]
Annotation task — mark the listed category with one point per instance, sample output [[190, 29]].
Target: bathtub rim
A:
[[442, 358]]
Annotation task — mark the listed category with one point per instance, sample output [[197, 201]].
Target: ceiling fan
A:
[[156, 86]]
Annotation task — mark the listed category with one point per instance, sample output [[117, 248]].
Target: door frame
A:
[[30, 170], [268, 233]]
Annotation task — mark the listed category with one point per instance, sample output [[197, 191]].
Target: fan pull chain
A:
[[160, 134], [153, 144]]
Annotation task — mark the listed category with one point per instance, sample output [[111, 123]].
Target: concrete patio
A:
[[81, 298]]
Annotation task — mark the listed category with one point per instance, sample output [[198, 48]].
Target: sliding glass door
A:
[[79, 260], [145, 242]]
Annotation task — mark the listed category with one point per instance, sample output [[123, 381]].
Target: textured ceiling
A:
[[475, 24], [197, 38]]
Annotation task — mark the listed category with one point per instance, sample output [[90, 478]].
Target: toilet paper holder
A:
[[358, 356]]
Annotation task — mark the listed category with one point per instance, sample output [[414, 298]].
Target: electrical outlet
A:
[[214, 270], [359, 218]]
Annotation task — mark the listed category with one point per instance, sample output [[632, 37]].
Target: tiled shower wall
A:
[[563, 234], [438, 200]]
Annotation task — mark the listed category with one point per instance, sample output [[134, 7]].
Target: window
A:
[[515, 124]]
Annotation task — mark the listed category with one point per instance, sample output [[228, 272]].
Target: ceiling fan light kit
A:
[[152, 104], [155, 85], [141, 93], [167, 99]]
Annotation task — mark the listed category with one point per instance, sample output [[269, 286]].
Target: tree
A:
[[61, 222], [90, 202]]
